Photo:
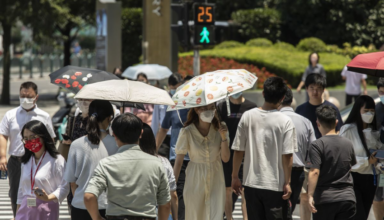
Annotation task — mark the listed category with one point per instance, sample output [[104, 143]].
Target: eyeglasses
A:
[[24, 140]]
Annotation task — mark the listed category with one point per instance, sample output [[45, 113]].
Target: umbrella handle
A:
[[228, 106], [178, 114]]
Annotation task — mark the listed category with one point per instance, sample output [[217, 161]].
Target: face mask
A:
[[237, 95], [172, 91], [27, 103], [382, 99], [207, 116], [34, 145], [367, 117]]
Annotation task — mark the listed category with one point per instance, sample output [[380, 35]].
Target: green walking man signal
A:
[[205, 35]]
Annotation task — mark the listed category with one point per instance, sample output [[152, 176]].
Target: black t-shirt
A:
[[233, 120], [334, 156], [309, 111]]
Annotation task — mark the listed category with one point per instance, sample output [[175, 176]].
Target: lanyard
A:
[[34, 177], [374, 175]]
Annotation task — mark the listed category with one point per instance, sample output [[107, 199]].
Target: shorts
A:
[[228, 167], [379, 194], [304, 188]]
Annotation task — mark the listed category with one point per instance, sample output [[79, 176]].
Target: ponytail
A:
[[99, 110]]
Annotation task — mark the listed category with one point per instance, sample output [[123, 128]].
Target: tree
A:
[[63, 19], [132, 35], [335, 22], [10, 12]]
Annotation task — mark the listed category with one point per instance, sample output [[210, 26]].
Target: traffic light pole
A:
[[196, 61]]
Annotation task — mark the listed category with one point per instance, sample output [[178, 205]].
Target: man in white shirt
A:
[[10, 128], [353, 84], [305, 136], [267, 138]]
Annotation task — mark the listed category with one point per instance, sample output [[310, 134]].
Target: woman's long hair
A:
[[99, 110], [39, 129], [147, 141], [193, 117], [355, 117]]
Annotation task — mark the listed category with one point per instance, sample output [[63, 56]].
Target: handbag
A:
[[64, 148]]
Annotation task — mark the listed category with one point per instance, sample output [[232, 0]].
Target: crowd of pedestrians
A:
[[194, 163]]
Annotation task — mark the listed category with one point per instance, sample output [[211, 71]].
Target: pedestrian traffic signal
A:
[[204, 14], [204, 18], [204, 35]]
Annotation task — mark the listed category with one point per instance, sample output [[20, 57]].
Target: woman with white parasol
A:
[[206, 140]]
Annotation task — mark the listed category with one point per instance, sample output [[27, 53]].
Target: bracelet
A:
[[224, 140]]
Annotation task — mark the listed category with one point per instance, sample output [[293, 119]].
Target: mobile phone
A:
[[39, 192], [379, 154], [65, 137]]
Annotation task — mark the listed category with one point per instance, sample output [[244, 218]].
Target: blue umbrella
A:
[[152, 71]]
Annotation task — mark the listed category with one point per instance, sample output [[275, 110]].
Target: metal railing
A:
[[46, 63]]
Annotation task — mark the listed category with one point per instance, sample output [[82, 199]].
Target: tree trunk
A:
[[5, 93], [67, 46]]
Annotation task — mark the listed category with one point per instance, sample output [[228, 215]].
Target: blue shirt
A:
[[171, 119]]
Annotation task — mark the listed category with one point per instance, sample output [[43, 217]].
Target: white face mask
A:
[[27, 103], [83, 106], [207, 116], [368, 117]]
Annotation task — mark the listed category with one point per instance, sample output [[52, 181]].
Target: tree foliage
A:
[[132, 35], [258, 23], [61, 19], [10, 12], [335, 22]]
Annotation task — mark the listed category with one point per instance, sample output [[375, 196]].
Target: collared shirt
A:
[[14, 121], [49, 177], [318, 69], [135, 181], [305, 135]]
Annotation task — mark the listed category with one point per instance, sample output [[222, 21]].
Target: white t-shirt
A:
[[265, 136], [14, 121], [83, 158], [353, 81]]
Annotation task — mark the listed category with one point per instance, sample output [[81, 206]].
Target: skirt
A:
[[42, 210]]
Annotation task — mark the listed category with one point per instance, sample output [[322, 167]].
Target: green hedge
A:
[[312, 44], [288, 64], [259, 42], [229, 44]]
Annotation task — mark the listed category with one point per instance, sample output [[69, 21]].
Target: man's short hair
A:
[[274, 89], [175, 79], [327, 116], [127, 128], [317, 79], [288, 98], [27, 85], [380, 83]]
